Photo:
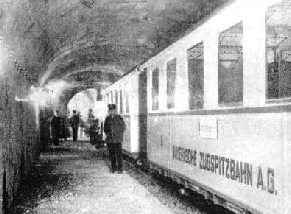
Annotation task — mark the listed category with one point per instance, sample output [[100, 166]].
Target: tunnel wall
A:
[[19, 133], [45, 118]]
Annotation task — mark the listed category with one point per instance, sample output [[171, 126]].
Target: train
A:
[[212, 111]]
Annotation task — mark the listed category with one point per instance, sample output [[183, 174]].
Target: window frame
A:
[[187, 70], [156, 68], [166, 83], [239, 103]]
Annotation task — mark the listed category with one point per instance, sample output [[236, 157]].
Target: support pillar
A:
[[211, 71], [254, 57]]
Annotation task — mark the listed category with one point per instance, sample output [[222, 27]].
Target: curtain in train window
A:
[[121, 102], [155, 89], [116, 100], [171, 83], [278, 33], [196, 76], [230, 66], [126, 102], [111, 97], [107, 98]]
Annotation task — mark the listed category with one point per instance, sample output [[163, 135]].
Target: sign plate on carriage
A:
[[208, 127]]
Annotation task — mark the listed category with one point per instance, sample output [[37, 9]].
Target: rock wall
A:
[[19, 124]]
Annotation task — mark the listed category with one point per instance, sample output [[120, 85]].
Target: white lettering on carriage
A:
[[239, 171]]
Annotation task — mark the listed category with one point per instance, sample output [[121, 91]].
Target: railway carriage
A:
[[212, 110]]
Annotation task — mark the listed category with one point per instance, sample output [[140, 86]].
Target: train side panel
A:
[[287, 162], [129, 86], [126, 136], [134, 114], [153, 139], [241, 154], [159, 140], [240, 157]]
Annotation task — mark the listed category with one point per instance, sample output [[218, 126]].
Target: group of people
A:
[[59, 127], [114, 128]]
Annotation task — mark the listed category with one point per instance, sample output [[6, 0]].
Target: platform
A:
[[75, 178]]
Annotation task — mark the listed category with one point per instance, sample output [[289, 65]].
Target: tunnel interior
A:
[[89, 43], [51, 50]]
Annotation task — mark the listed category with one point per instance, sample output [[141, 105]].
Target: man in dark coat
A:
[[114, 128], [55, 128], [74, 120]]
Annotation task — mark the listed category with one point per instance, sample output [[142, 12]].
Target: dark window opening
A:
[[230, 66], [278, 57], [196, 76], [155, 89], [171, 83]]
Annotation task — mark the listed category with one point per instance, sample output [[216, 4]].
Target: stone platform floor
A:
[[74, 178]]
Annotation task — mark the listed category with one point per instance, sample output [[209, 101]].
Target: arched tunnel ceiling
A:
[[93, 41]]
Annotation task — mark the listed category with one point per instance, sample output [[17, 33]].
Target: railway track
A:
[[172, 194]]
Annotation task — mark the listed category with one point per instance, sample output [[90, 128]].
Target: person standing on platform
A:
[[56, 127], [114, 128], [74, 120], [92, 125]]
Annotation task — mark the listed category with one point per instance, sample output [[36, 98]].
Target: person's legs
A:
[[75, 133], [119, 157], [112, 156], [55, 136], [55, 143], [91, 134]]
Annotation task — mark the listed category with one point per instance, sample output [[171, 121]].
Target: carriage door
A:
[[142, 96]]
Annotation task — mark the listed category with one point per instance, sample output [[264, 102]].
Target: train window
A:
[[111, 96], [196, 76], [230, 66], [155, 89], [121, 102], [171, 83], [116, 100], [107, 98], [278, 33], [126, 102]]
